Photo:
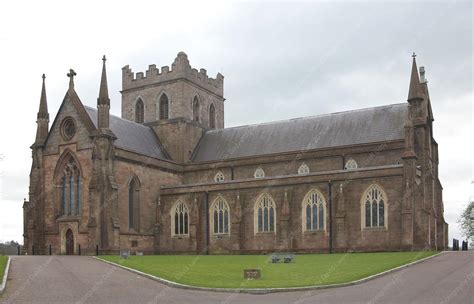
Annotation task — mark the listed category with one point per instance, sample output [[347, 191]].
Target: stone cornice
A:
[[318, 177]]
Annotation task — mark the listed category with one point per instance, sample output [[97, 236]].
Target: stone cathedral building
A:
[[168, 177]]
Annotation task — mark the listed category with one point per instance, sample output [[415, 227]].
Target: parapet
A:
[[180, 69]]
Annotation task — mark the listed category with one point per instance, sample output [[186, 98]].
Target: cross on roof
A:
[[414, 55], [71, 75]]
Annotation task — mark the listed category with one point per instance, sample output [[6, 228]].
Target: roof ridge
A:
[[306, 117], [120, 118]]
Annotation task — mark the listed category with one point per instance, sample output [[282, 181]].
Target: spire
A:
[[103, 102], [43, 108], [414, 91], [71, 75], [103, 91], [43, 118]]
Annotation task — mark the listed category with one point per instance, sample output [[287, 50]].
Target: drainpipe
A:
[[207, 221], [231, 173], [330, 216]]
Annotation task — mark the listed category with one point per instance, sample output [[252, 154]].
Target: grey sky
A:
[[280, 60]]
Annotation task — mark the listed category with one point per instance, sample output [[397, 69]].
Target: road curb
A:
[[5, 276], [268, 290]]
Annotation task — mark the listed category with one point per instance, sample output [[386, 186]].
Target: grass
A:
[[226, 271], [3, 264]]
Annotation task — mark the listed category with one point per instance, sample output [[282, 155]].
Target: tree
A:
[[466, 221], [9, 248]]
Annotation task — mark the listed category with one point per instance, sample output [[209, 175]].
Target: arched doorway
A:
[[69, 242]]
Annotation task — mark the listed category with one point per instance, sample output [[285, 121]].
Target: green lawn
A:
[[306, 270], [3, 264]]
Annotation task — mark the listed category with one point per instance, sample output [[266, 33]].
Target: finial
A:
[[71, 75], [43, 109], [103, 90], [414, 90]]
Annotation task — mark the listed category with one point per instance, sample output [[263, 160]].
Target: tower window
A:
[[133, 204], [139, 111], [196, 109], [164, 107], [212, 117]]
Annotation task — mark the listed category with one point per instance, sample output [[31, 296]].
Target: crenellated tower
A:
[[179, 103]]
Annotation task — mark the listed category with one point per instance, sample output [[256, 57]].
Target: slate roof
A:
[[362, 126], [132, 136]]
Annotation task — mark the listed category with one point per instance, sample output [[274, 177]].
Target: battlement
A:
[[180, 69]]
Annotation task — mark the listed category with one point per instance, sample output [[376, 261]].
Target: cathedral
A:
[[167, 176]]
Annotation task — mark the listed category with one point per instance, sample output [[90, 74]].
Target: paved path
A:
[[448, 278]]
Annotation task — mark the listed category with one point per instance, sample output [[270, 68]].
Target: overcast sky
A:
[[280, 60]]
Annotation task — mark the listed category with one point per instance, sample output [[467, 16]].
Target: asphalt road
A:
[[448, 278]]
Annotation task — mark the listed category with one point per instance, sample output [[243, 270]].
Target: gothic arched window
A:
[[196, 109], [71, 184], [133, 204], [259, 173], [164, 107], [212, 117], [219, 177], [265, 214], [180, 219], [351, 164], [374, 207], [303, 169], [139, 111], [220, 213], [313, 211]]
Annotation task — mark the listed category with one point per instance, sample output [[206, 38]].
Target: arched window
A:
[[196, 109], [220, 213], [219, 177], [313, 211], [180, 219], [265, 214], [212, 117], [259, 173], [164, 106], [374, 207], [303, 169], [139, 111], [351, 164], [71, 187], [133, 203]]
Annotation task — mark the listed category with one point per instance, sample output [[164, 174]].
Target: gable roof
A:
[[362, 126], [72, 97], [132, 136]]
